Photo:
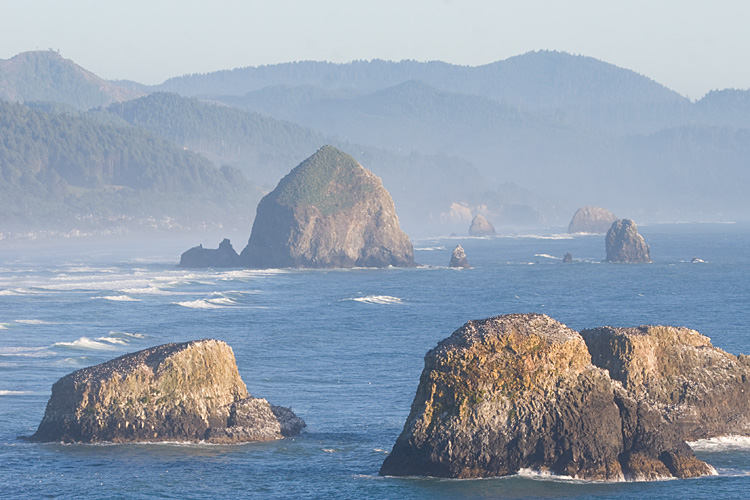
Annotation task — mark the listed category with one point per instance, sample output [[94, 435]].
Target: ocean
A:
[[343, 348]]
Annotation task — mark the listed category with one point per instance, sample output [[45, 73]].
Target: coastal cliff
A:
[[701, 390], [189, 391], [520, 391]]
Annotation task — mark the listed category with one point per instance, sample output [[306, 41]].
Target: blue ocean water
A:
[[343, 348]]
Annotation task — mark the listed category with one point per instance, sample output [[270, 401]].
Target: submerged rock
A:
[[519, 391], [327, 212], [458, 258], [480, 226], [701, 390], [568, 258], [624, 244], [591, 220], [224, 256], [190, 391]]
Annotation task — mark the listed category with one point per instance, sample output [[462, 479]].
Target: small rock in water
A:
[[568, 258], [458, 258]]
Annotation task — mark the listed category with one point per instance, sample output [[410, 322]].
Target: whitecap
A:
[[33, 322], [430, 249], [118, 298], [25, 352], [85, 343], [198, 304], [113, 340], [13, 393], [723, 443], [547, 256], [378, 299], [329, 450]]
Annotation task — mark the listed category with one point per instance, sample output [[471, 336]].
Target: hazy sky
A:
[[691, 46]]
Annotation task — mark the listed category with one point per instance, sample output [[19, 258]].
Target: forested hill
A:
[[47, 76], [67, 171], [264, 148]]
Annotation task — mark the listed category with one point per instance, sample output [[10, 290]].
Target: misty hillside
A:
[[265, 149], [65, 171], [47, 76], [524, 141]]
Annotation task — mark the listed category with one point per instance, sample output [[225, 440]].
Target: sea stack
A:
[[480, 226], [329, 211], [189, 391], [520, 391], [702, 391], [458, 258], [624, 244], [591, 220], [224, 256]]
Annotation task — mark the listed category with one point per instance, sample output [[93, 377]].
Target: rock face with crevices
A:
[[327, 212], [591, 220], [519, 391], [624, 244], [701, 390], [189, 391]]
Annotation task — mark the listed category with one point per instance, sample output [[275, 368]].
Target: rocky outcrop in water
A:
[[568, 258], [224, 256], [699, 389], [458, 258], [327, 212], [480, 226], [190, 391], [591, 220], [624, 244], [520, 391]]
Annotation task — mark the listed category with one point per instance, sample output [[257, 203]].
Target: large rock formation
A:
[[174, 392], [327, 212], [701, 390], [519, 391], [624, 244], [224, 256], [458, 258], [591, 220], [480, 226]]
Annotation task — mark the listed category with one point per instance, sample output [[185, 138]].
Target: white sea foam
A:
[[539, 236], [198, 304], [723, 443], [118, 298], [113, 340], [546, 256], [85, 343], [430, 249], [378, 299], [33, 322], [25, 352], [13, 393]]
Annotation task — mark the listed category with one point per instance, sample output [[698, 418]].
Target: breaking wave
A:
[[118, 298], [13, 393], [723, 443], [87, 344], [378, 299]]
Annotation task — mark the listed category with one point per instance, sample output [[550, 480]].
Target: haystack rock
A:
[[624, 244], [480, 226], [190, 391], [701, 390], [327, 212], [591, 220], [458, 258], [224, 256], [519, 391]]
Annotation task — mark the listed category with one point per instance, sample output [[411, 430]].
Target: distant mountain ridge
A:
[[47, 76]]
